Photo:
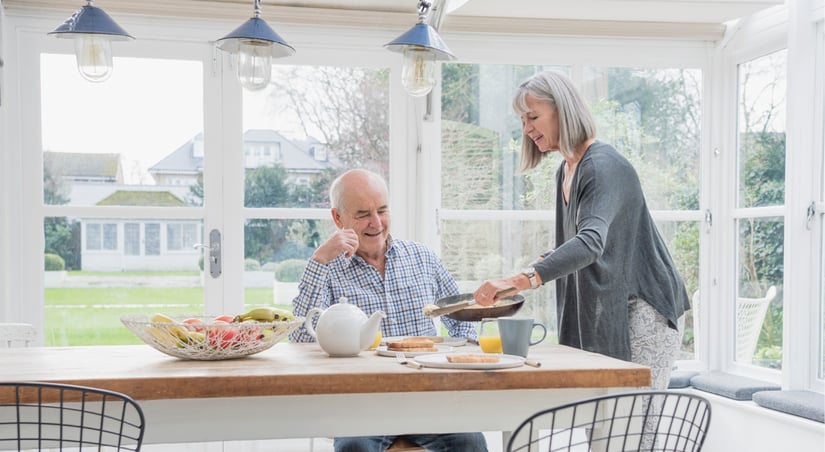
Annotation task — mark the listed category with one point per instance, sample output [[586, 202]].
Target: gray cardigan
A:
[[608, 250]]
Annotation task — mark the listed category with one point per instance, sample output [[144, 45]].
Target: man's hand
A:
[[342, 241]]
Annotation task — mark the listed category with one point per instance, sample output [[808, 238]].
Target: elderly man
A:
[[375, 271]]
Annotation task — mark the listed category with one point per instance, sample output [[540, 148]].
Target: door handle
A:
[[214, 252]]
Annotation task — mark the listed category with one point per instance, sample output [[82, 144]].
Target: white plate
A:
[[440, 360], [442, 349], [446, 340]]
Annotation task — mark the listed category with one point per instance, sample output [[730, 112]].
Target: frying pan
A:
[[504, 307]]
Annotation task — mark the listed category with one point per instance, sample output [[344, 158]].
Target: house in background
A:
[[122, 244], [303, 160]]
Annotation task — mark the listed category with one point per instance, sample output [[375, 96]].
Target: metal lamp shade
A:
[[422, 35], [255, 29], [91, 20]]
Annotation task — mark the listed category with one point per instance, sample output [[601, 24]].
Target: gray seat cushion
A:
[[807, 404], [681, 378], [731, 386]]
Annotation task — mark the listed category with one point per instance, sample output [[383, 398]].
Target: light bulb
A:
[[418, 73], [254, 64], [94, 56]]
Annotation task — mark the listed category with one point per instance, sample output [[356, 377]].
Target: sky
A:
[[144, 111]]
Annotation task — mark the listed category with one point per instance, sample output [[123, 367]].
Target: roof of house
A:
[[294, 156], [82, 165], [181, 160], [92, 194], [141, 198]]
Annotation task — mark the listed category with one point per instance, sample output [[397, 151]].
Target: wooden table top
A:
[[301, 369]]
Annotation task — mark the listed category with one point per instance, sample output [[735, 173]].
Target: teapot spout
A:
[[370, 328]]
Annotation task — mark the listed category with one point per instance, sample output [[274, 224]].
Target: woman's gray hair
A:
[[336, 189], [576, 123]]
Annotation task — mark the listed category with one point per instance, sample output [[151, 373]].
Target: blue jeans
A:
[[448, 442]]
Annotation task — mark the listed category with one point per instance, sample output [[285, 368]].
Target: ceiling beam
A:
[[389, 19]]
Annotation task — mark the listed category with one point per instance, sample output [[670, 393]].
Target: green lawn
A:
[[91, 316]]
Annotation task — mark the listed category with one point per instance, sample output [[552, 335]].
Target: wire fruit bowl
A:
[[208, 341]]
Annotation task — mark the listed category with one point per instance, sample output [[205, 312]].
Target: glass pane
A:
[[299, 135], [276, 253], [131, 239], [759, 295], [309, 125], [111, 143], [152, 239], [821, 373], [821, 83], [480, 140], [474, 251], [653, 117], [761, 131], [88, 289], [130, 141], [682, 239]]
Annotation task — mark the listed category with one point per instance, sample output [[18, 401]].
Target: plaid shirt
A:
[[414, 277]]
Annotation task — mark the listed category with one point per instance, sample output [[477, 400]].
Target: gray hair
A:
[[336, 189], [576, 123]]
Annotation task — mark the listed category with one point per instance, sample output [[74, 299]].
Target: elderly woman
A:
[[617, 289]]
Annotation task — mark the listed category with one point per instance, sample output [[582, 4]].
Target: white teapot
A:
[[343, 329]]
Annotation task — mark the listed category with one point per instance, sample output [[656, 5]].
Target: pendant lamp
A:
[[422, 47], [255, 43], [93, 31]]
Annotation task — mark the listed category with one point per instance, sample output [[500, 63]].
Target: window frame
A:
[[414, 143]]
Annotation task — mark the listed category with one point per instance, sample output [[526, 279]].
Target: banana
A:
[[266, 333], [195, 337], [162, 318], [265, 314], [161, 336], [176, 332]]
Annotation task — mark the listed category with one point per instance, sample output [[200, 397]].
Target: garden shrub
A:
[[54, 263], [251, 265], [290, 270]]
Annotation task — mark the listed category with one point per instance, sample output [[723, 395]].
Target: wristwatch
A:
[[530, 273]]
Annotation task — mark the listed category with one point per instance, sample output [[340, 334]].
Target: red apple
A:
[[193, 324], [225, 318], [222, 335], [248, 332]]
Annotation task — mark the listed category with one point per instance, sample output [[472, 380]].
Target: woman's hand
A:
[[485, 295]]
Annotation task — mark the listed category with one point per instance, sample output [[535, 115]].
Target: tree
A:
[[62, 236], [348, 106]]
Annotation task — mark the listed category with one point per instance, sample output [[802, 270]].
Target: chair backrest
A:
[[17, 334], [56, 416], [630, 421], [750, 313]]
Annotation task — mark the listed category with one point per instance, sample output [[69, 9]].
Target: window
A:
[[101, 237], [485, 203], [652, 116], [820, 206], [759, 216], [131, 239], [152, 246], [346, 109], [100, 158], [181, 236]]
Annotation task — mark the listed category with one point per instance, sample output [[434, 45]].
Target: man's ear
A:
[[336, 218]]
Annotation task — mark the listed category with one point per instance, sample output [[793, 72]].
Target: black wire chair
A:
[[631, 421], [42, 416]]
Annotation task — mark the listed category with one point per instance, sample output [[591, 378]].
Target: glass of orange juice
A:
[[488, 337]]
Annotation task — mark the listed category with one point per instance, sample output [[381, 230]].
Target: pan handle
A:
[[505, 292]]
